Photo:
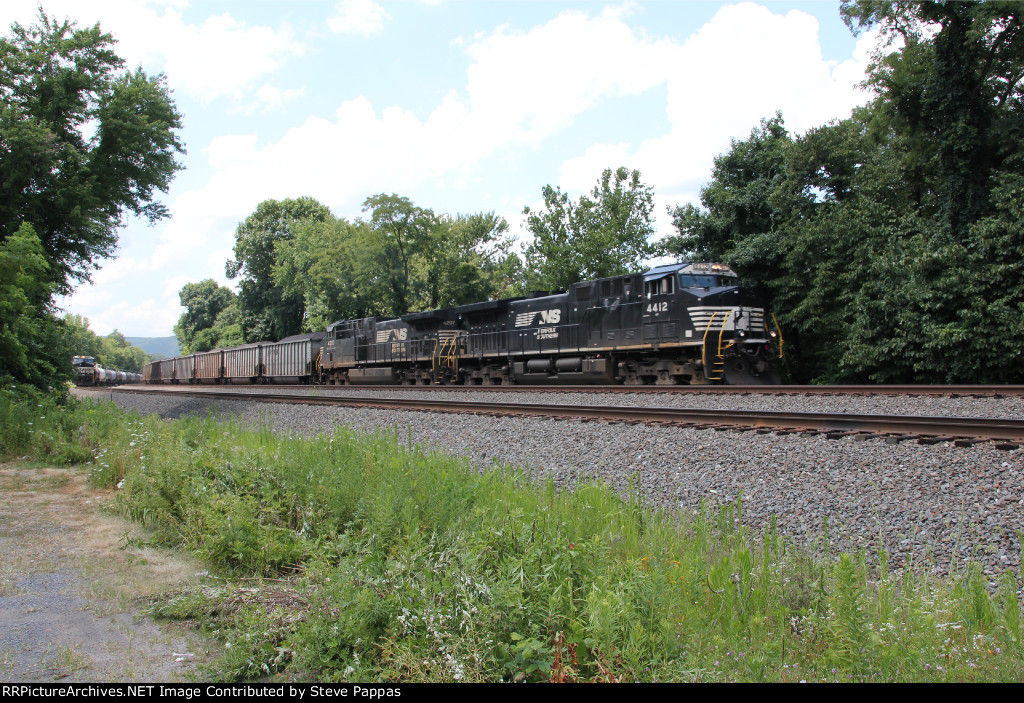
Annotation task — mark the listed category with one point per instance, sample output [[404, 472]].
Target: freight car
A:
[[292, 360], [687, 323], [90, 373]]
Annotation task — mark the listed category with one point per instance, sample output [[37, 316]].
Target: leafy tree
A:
[[228, 328], [890, 242], [839, 284], [948, 110], [403, 234], [81, 340], [267, 311], [741, 208], [332, 267], [83, 144], [948, 90], [470, 260], [602, 234], [345, 270], [118, 353], [203, 302], [763, 192], [27, 326]]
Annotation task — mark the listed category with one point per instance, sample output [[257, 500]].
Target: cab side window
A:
[[660, 286]]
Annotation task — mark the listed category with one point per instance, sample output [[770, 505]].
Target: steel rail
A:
[[1007, 429], [889, 389]]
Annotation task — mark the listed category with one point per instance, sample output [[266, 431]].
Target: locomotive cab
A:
[[737, 344], [85, 370]]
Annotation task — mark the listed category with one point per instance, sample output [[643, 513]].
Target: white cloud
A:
[[200, 224], [580, 174], [220, 57], [138, 318], [509, 99], [363, 17], [271, 97], [527, 85], [173, 285], [745, 64]]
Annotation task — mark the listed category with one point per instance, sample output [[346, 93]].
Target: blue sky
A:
[[460, 106]]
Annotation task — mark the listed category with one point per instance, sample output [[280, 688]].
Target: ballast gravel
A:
[[936, 506]]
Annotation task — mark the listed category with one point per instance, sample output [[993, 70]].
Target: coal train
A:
[[90, 373], [685, 323]]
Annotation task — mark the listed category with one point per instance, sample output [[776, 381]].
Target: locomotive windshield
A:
[[692, 280]]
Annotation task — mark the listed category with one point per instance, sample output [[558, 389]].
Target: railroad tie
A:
[[896, 439], [934, 440]]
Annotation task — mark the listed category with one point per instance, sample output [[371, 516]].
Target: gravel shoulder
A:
[[71, 589]]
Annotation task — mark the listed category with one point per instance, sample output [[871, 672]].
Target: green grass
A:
[[350, 557]]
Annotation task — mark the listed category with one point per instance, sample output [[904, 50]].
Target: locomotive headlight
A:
[[773, 334]]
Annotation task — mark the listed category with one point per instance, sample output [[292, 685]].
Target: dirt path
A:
[[69, 592]]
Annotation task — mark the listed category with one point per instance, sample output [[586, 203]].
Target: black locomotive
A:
[[687, 323]]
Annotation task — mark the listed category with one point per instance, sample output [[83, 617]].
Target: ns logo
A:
[[550, 317], [547, 317]]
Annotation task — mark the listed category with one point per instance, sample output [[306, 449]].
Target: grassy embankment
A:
[[359, 558]]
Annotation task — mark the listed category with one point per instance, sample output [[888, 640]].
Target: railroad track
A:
[[954, 390], [1006, 433]]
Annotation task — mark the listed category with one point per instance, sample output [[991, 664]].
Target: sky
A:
[[460, 106]]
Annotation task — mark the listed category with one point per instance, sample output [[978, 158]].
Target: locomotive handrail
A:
[[704, 346], [779, 330], [708, 329], [721, 332]]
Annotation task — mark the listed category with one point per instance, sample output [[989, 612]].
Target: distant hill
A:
[[167, 346]]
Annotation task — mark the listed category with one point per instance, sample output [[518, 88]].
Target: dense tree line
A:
[[891, 242], [84, 143]]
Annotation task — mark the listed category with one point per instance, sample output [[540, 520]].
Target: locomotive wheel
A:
[[698, 379], [664, 379], [635, 379]]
